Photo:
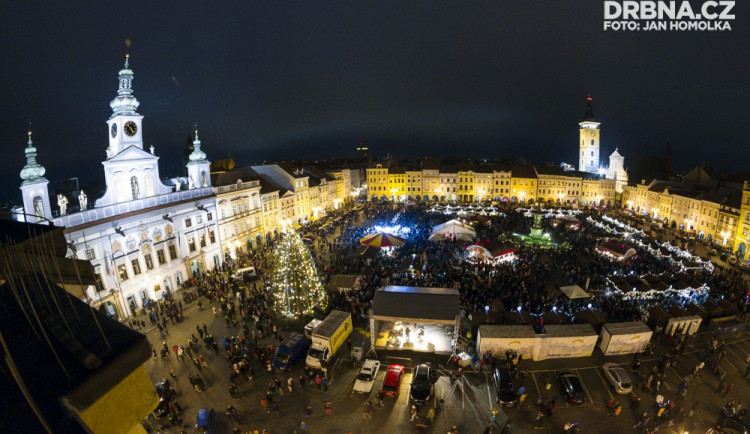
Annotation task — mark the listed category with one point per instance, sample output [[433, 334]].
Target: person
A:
[[728, 390], [414, 413]]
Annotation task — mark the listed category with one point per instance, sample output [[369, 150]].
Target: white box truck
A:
[[624, 338], [328, 337], [500, 338]]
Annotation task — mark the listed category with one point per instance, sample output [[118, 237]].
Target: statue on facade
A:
[[190, 183], [152, 149], [177, 185], [62, 202], [83, 200]]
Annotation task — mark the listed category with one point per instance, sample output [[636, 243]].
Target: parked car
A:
[[572, 387], [422, 386], [506, 393], [205, 422], [731, 426], [392, 382], [618, 378], [246, 273], [366, 377]]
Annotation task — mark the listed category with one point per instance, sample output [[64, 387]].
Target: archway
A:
[[710, 238], [434, 198], [531, 201], [741, 250], [701, 234], [673, 225], [513, 199], [374, 197], [108, 308], [383, 197]]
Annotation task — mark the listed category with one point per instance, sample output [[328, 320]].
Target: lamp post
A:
[[487, 313]]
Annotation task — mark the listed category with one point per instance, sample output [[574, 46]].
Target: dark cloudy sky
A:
[[274, 79]]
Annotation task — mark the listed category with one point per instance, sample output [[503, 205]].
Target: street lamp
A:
[[487, 313]]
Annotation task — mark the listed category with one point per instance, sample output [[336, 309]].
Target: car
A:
[[572, 387], [366, 377], [506, 393], [422, 387], [618, 377], [392, 381], [246, 273], [730, 426], [205, 422]]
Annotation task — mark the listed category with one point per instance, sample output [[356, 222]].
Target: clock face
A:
[[130, 128], [113, 130]]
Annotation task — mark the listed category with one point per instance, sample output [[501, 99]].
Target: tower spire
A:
[[197, 156], [32, 172], [589, 114], [125, 103]]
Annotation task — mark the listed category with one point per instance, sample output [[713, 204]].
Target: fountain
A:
[[537, 236]]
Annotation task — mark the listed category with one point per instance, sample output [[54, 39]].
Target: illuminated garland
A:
[[295, 284]]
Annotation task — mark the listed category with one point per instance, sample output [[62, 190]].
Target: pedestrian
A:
[[728, 390], [202, 360], [681, 394], [290, 384], [302, 380], [153, 352], [172, 374], [324, 381], [414, 413], [318, 381], [722, 386], [367, 412], [379, 399]]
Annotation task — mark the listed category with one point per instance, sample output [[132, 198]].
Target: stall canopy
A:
[[490, 251], [574, 291], [453, 228], [343, 282], [416, 304], [381, 240]]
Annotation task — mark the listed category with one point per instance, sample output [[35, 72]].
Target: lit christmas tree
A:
[[295, 285]]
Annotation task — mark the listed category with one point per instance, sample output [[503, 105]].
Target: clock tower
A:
[[588, 128], [125, 123]]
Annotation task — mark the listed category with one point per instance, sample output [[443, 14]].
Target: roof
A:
[[94, 366], [623, 328], [428, 305], [232, 176], [523, 172], [562, 330], [574, 291], [506, 331]]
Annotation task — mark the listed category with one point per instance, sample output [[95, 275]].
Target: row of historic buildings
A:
[[475, 182], [147, 235], [699, 203]]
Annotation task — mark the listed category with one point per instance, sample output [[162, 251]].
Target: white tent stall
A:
[[453, 229]]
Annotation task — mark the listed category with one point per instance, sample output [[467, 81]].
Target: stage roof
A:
[[416, 304]]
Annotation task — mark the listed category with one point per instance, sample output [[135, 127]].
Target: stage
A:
[[429, 338]]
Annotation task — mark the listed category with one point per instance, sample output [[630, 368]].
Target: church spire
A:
[[32, 172], [125, 103], [589, 114]]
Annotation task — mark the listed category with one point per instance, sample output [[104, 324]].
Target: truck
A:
[[291, 351], [328, 337]]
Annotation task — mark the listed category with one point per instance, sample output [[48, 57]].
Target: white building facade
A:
[[143, 237]]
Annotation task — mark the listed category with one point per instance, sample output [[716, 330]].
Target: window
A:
[[234, 209], [38, 207], [212, 236], [160, 257], [134, 190], [188, 222], [223, 214], [191, 244], [198, 219], [149, 261], [90, 255], [172, 252], [203, 240], [136, 267], [592, 153], [122, 272], [209, 216]]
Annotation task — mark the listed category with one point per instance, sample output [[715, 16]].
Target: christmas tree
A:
[[295, 285]]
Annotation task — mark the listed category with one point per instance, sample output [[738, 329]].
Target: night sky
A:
[[269, 80]]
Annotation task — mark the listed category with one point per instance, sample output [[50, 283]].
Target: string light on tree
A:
[[295, 284]]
